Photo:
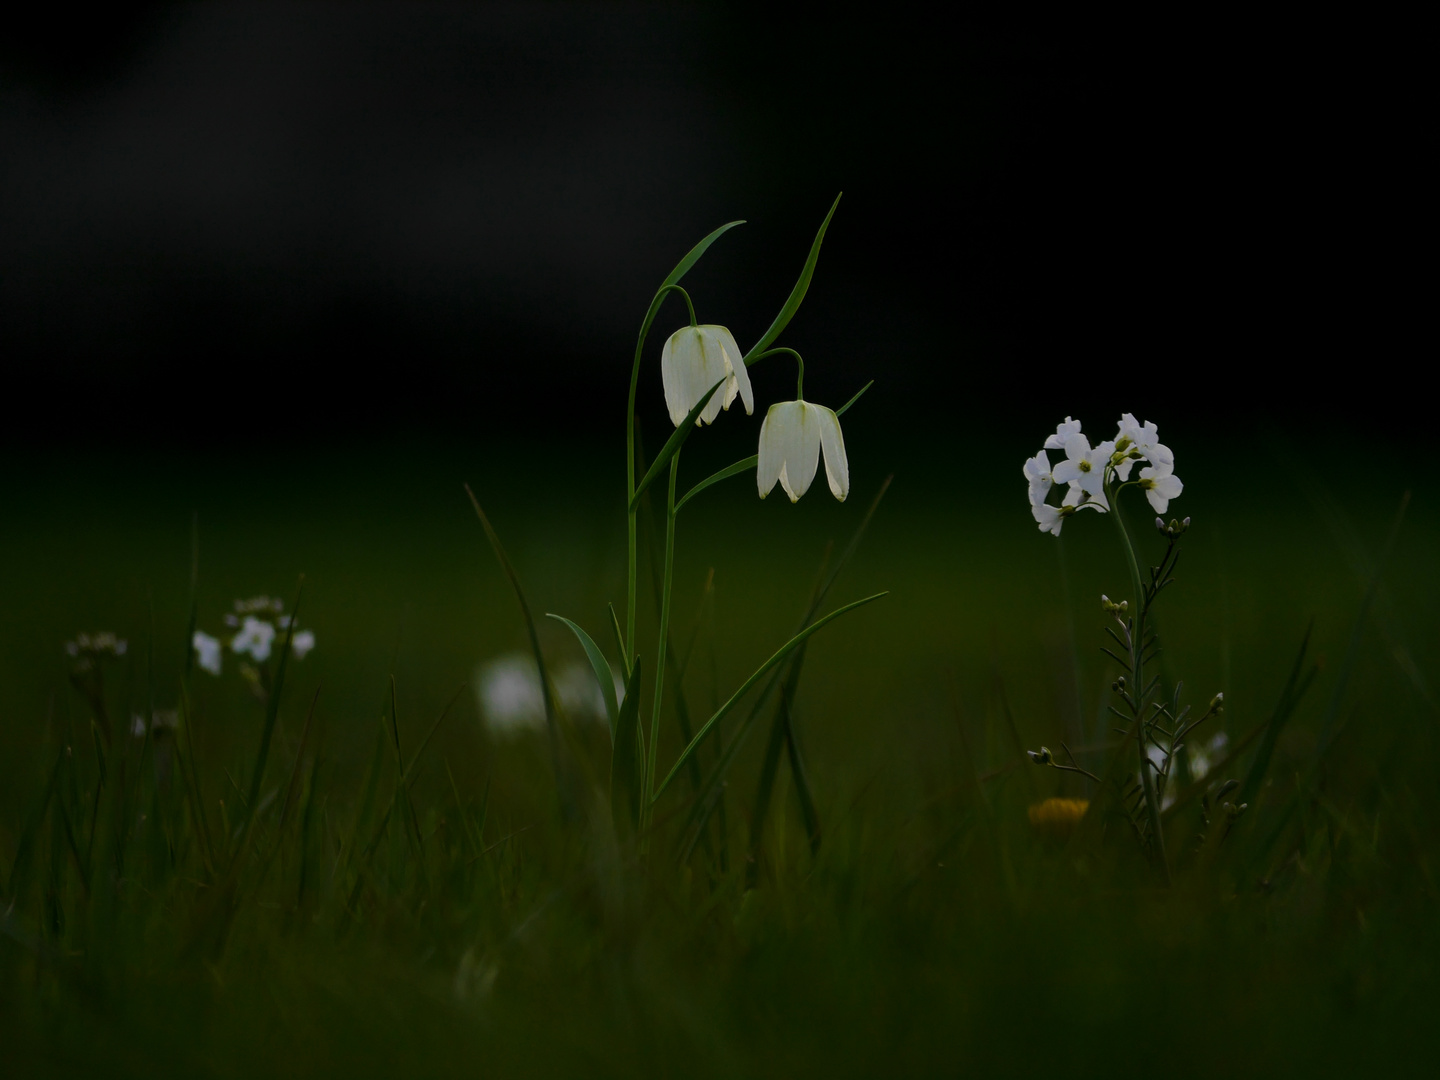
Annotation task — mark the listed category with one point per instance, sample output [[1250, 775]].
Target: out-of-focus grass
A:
[[933, 932]]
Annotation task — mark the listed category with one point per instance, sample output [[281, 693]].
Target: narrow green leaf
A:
[[552, 725], [625, 765], [603, 674], [409, 775], [1295, 687], [797, 294], [846, 407], [784, 651], [708, 798], [724, 474], [683, 266], [619, 641], [673, 444]]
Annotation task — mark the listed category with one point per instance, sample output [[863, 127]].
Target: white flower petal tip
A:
[[693, 360], [792, 438]]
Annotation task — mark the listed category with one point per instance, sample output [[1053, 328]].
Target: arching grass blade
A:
[[724, 474]]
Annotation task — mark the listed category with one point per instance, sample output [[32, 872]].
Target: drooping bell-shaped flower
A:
[[694, 359], [791, 438]]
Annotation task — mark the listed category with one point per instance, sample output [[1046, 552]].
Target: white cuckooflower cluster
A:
[[256, 622], [1091, 473]]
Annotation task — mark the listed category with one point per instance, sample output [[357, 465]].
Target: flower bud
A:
[[1159, 525], [1226, 788], [1217, 703], [1042, 757]]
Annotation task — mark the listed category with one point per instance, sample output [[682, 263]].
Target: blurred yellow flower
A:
[[1057, 817]]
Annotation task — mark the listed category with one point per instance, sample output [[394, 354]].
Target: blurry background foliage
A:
[[300, 272]]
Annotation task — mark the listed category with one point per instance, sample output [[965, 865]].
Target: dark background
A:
[[332, 220]]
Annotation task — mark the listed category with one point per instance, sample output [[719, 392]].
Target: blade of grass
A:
[[705, 801], [552, 726], [1295, 687], [619, 642], [784, 651], [626, 760]]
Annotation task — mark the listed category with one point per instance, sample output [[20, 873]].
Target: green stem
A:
[[654, 745], [1137, 672], [799, 380], [654, 310]]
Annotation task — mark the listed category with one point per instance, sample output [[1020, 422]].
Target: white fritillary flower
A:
[[693, 360], [791, 438]]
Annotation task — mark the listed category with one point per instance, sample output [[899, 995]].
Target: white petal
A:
[[832, 442], [771, 453], [673, 375], [797, 438], [742, 375], [709, 370]]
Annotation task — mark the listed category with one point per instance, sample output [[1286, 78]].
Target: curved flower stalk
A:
[[693, 360]]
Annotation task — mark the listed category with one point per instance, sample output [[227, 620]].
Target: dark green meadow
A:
[[926, 928]]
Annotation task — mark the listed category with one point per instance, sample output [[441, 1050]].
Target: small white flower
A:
[[1146, 438], [137, 725], [1084, 465], [1161, 485], [1037, 475], [1062, 432], [254, 638], [302, 643], [790, 442], [207, 651], [694, 359], [1202, 755], [1050, 518]]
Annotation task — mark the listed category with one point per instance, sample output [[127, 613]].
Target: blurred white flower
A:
[[137, 725], [791, 438], [302, 643], [1084, 465], [693, 360], [1062, 432], [254, 638], [207, 651], [1202, 755], [1037, 475], [1161, 485], [508, 691]]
